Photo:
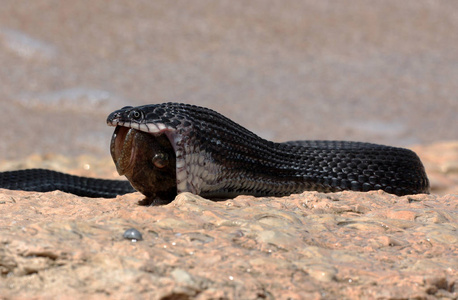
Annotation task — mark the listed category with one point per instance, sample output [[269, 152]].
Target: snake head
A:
[[142, 151], [167, 121], [149, 118]]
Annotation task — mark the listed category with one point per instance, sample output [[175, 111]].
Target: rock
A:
[[132, 234]]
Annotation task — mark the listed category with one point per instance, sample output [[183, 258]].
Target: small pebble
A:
[[132, 234]]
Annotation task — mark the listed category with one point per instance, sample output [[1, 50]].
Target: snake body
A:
[[170, 148], [216, 157], [43, 180]]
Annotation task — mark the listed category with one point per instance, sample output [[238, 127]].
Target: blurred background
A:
[[376, 71]]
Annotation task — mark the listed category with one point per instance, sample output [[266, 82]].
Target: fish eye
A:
[[160, 160], [135, 114]]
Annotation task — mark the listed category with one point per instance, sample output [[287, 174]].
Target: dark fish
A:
[[147, 160]]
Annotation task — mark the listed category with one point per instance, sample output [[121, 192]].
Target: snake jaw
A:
[[127, 118]]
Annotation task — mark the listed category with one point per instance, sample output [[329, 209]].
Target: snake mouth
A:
[[123, 148]]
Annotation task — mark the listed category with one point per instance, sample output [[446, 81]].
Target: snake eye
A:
[[160, 160], [135, 115]]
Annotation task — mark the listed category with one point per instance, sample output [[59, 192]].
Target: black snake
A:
[[166, 149]]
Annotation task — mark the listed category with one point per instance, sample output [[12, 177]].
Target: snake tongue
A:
[[122, 148]]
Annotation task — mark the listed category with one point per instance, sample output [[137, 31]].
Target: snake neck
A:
[[224, 167]]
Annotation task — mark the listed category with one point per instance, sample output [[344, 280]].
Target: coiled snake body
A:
[[170, 148]]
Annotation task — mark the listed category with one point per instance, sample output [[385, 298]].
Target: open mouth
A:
[[123, 148]]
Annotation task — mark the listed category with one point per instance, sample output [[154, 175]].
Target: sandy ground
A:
[[310, 246]]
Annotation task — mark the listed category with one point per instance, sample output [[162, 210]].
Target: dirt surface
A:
[[308, 246], [345, 245]]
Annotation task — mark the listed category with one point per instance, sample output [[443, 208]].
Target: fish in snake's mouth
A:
[[123, 148], [147, 160]]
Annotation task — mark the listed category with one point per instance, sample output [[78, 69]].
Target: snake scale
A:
[[170, 148]]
